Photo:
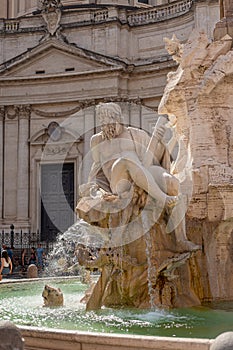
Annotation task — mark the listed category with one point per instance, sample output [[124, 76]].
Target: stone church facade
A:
[[58, 59]]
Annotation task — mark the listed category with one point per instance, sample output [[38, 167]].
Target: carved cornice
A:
[[85, 104]]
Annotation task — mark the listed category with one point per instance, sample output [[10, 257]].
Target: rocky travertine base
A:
[[151, 268], [200, 96], [137, 270]]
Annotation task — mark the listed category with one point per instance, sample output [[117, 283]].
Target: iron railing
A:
[[21, 239]]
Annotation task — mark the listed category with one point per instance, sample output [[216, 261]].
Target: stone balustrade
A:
[[11, 25], [159, 13], [99, 16], [133, 17]]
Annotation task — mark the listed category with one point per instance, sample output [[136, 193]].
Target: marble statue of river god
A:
[[133, 200]]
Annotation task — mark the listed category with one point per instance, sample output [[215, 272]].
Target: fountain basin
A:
[[72, 327], [39, 338]]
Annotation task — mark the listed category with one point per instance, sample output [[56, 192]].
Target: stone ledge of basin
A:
[[40, 279], [48, 339]]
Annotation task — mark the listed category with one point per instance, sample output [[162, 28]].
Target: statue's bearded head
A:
[[110, 118]]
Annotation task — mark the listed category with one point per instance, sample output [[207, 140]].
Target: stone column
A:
[[31, 5], [10, 164], [3, 9], [14, 8], [23, 165], [22, 6], [2, 114]]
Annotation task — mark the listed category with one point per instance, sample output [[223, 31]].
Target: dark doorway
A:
[[57, 199]]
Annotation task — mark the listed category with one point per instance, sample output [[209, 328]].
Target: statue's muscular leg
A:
[[168, 183], [125, 167], [176, 222]]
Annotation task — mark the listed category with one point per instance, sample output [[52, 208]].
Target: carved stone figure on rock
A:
[[125, 157], [52, 296], [132, 196], [119, 152], [174, 48]]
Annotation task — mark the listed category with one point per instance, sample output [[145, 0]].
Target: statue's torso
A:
[[121, 146]]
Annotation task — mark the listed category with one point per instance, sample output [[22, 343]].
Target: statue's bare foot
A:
[[171, 201], [188, 246], [110, 197]]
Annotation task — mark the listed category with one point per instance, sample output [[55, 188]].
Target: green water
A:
[[22, 303]]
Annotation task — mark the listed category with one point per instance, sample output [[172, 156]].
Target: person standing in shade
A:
[[10, 253], [33, 258], [6, 264], [40, 257], [23, 261]]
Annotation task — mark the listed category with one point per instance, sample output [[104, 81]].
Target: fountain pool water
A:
[[22, 303]]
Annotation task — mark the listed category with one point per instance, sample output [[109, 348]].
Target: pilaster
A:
[[23, 163], [3, 9], [22, 7], [10, 164], [2, 116]]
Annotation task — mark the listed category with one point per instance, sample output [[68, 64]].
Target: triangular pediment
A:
[[56, 58]]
